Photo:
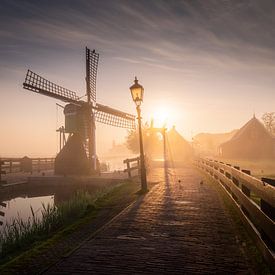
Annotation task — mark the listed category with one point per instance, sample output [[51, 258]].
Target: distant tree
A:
[[269, 121], [132, 141], [151, 141]]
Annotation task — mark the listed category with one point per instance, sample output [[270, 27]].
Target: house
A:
[[178, 148], [251, 142]]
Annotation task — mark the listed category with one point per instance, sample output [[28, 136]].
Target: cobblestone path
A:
[[179, 227]]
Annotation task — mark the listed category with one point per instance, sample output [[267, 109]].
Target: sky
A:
[[206, 66]]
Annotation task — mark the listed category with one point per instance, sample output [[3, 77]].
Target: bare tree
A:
[[269, 121]]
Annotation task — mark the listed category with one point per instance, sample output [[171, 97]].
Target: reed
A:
[[19, 234]]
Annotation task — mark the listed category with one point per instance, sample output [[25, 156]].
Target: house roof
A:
[[254, 124], [174, 136]]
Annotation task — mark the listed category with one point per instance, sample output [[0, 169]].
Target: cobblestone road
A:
[[179, 227]]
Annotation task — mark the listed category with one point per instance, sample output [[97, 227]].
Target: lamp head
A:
[[137, 92]]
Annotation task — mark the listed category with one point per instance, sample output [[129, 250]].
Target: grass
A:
[[109, 200], [20, 234], [261, 168]]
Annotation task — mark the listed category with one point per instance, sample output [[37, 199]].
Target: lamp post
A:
[[137, 92]]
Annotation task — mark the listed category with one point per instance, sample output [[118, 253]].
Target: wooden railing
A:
[[130, 168], [15, 165], [254, 199]]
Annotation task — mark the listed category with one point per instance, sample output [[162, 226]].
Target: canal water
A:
[[21, 207], [17, 201]]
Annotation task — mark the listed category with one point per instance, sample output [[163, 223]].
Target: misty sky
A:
[[212, 63]]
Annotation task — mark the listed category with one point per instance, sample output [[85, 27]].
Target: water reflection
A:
[[21, 207], [18, 200]]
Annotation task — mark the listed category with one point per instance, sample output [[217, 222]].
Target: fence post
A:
[[128, 169], [1, 163], [10, 166]]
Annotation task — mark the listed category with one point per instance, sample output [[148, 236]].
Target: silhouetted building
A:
[[72, 159], [178, 148], [209, 143], [251, 142]]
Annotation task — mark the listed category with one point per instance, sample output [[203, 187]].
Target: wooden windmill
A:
[[80, 116]]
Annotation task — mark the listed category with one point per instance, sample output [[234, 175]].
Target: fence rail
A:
[[130, 167], [254, 198], [15, 165]]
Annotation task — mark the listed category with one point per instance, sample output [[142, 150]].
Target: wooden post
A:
[[10, 166], [2, 172], [246, 191], [1, 163], [268, 209], [228, 175], [128, 169], [246, 171], [235, 181], [138, 166]]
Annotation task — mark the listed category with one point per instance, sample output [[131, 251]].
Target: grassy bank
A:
[[75, 218], [19, 234], [258, 169]]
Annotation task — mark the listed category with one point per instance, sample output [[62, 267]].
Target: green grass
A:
[[111, 198], [20, 234], [262, 168]]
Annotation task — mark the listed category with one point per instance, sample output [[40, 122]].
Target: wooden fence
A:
[[254, 199], [131, 167], [16, 165]]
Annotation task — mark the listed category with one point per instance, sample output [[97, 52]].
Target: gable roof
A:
[[175, 137], [254, 124]]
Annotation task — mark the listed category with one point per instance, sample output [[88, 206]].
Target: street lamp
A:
[[137, 92]]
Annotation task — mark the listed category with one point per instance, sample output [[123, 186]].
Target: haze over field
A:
[[206, 66]]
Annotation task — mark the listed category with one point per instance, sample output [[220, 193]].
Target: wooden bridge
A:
[[16, 168], [254, 200], [183, 226]]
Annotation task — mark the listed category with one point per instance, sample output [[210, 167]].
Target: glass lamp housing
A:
[[137, 92]]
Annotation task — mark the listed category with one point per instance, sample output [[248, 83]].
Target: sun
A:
[[162, 116]]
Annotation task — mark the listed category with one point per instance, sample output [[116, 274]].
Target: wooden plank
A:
[[259, 217], [264, 191], [131, 160]]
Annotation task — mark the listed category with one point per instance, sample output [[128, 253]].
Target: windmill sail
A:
[[40, 85], [91, 72], [110, 116]]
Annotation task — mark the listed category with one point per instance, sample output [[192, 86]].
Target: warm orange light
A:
[[162, 115]]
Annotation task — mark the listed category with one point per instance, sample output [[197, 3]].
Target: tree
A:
[[151, 141], [269, 122]]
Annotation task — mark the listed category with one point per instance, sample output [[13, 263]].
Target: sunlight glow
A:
[[162, 116]]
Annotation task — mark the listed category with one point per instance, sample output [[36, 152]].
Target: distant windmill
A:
[[80, 116]]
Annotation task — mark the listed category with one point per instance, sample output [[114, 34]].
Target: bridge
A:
[[183, 225]]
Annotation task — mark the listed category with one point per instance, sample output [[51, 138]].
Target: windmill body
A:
[[80, 118]]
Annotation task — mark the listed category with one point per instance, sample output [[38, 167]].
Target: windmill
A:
[[80, 116]]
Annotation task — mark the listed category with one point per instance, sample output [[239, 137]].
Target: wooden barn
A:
[[178, 148], [251, 142]]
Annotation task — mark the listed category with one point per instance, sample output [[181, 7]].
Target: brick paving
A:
[[179, 227]]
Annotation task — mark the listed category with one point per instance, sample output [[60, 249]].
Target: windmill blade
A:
[[91, 73], [110, 116], [40, 85]]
